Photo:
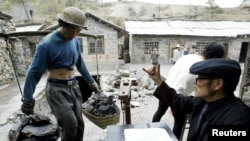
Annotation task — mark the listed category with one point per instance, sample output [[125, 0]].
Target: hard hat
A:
[[177, 45], [73, 15]]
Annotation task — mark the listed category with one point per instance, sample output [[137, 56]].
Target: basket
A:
[[103, 122]]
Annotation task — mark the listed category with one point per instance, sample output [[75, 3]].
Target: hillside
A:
[[46, 11]]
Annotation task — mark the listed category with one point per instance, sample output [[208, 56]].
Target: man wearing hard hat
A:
[[58, 53], [176, 53]]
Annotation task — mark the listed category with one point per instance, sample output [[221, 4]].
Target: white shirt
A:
[[179, 77], [176, 55]]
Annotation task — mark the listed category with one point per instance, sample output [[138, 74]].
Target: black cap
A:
[[227, 69]]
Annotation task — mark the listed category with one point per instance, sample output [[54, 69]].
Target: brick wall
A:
[[245, 83], [109, 60]]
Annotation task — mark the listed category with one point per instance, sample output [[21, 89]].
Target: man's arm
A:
[[177, 102], [81, 67], [36, 70], [167, 94]]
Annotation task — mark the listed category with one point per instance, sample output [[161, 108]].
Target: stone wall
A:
[[6, 70], [17, 56], [22, 50], [166, 43], [245, 83], [136, 50]]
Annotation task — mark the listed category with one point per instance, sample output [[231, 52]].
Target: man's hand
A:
[[28, 107], [154, 73], [94, 87]]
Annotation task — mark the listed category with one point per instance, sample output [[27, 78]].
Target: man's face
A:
[[72, 31], [203, 86], [208, 88]]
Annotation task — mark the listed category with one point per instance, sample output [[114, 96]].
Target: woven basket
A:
[[103, 122]]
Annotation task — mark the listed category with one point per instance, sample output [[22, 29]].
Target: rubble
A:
[[101, 105]]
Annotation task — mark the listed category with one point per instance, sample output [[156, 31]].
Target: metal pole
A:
[[25, 9], [97, 65]]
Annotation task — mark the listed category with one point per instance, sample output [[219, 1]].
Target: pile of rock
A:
[[101, 105], [110, 84]]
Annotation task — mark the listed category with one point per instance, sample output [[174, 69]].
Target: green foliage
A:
[[213, 8], [132, 12], [70, 3], [48, 11], [90, 6], [211, 3]]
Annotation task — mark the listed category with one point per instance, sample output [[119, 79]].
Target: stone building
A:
[[165, 35], [107, 48]]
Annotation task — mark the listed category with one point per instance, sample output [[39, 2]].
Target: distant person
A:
[[184, 51], [193, 50], [176, 53], [58, 53], [154, 57], [181, 80], [214, 102]]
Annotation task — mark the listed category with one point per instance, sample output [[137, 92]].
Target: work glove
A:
[[28, 107], [94, 87]]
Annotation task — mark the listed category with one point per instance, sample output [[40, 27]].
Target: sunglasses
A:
[[202, 78]]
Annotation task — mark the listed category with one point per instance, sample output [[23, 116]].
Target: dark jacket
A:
[[226, 111]]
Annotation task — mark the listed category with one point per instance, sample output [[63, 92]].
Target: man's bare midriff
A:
[[62, 74]]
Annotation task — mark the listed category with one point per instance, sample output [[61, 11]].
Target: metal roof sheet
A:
[[191, 28], [28, 28]]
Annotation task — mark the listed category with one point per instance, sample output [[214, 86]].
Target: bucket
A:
[[85, 88]]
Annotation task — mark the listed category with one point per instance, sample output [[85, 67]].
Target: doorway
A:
[[243, 52]]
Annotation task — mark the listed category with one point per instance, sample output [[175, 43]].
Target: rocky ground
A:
[[141, 112], [144, 104]]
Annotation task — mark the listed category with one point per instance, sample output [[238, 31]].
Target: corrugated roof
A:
[[29, 28], [190, 28]]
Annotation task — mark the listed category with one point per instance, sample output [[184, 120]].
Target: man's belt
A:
[[63, 82]]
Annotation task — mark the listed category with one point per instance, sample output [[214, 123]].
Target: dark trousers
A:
[[66, 104], [155, 63], [179, 118]]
